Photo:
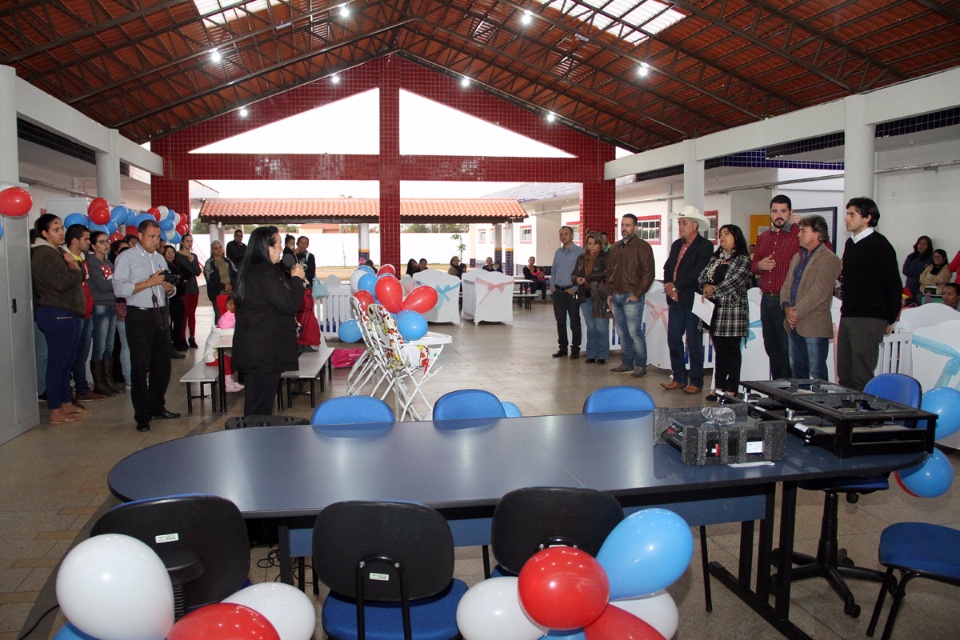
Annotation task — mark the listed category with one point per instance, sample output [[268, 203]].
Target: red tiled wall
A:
[[597, 210], [173, 194], [389, 160]]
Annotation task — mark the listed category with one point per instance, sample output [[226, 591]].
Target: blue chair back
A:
[[512, 410], [618, 398], [896, 387], [468, 403], [352, 410]]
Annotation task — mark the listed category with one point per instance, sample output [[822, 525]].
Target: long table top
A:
[[450, 465]]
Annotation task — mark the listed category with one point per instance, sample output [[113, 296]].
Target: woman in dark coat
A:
[[589, 274], [725, 281], [265, 339], [221, 276]]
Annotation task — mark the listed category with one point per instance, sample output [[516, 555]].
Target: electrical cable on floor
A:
[[37, 623]]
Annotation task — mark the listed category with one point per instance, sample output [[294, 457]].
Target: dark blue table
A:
[[463, 468]]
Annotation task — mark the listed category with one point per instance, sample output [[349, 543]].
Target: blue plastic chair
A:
[[917, 550], [352, 410], [832, 562], [618, 398], [389, 566], [512, 410], [466, 404]]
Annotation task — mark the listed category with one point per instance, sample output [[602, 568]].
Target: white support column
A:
[[363, 238], [108, 169], [858, 149], [498, 243], [216, 233], [693, 178], [9, 158], [508, 258]]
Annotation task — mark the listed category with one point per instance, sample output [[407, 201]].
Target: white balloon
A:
[[114, 587], [287, 608], [355, 278], [163, 211], [656, 609], [490, 610]]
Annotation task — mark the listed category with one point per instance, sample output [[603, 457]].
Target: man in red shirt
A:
[[775, 248]]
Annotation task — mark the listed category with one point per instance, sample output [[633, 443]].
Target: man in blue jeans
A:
[[78, 243], [629, 276]]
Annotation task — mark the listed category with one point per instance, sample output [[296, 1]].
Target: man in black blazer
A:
[[689, 255]]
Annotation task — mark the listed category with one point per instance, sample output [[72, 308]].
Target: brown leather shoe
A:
[[692, 390], [673, 386], [91, 395]]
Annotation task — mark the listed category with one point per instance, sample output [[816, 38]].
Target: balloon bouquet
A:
[[382, 287], [114, 587], [933, 477], [15, 202], [562, 592]]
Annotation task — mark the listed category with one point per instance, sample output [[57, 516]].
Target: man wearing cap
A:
[[775, 249], [629, 276], [689, 254]]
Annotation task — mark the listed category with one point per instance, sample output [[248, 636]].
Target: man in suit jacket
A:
[[806, 297], [689, 254]]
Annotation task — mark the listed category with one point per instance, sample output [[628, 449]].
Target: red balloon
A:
[[182, 229], [422, 299], [15, 202], [616, 624], [116, 236], [563, 588], [97, 203], [100, 215], [389, 293], [365, 298], [387, 268], [223, 621], [155, 213]]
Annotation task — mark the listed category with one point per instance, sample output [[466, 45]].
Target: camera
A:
[[171, 278]]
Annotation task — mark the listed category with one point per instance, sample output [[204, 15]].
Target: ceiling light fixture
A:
[[335, 78], [243, 112], [643, 70], [527, 17], [551, 117], [464, 82], [344, 11], [215, 56]]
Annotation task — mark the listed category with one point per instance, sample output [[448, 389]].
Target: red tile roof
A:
[[355, 210]]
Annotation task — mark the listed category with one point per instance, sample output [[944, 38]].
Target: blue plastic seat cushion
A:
[[919, 546]]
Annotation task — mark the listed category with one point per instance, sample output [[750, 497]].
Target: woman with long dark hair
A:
[[60, 304], [724, 281], [936, 274], [187, 259], [589, 274], [265, 339], [104, 314], [916, 262]]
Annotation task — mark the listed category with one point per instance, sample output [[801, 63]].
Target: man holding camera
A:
[[140, 275]]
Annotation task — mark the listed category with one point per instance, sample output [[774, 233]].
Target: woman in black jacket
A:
[[267, 300]]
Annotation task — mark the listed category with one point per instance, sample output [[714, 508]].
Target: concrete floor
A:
[[53, 485]]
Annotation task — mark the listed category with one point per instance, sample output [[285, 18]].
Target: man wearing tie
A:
[[138, 276]]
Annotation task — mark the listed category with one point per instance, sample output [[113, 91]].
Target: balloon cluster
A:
[[382, 287], [120, 220], [114, 587], [933, 477], [564, 592]]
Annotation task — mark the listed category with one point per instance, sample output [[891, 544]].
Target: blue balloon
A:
[[166, 224], [412, 325], [929, 479], [646, 552], [368, 282], [76, 218], [576, 634], [165, 235], [945, 402], [175, 238], [349, 331], [172, 216], [98, 227], [119, 214], [367, 268], [144, 217], [70, 632], [111, 227], [1, 228]]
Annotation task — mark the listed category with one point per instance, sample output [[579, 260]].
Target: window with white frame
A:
[[526, 235], [711, 233], [648, 228], [482, 236]]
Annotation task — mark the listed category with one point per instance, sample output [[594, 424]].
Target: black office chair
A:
[[389, 567], [534, 518], [202, 541], [832, 562]]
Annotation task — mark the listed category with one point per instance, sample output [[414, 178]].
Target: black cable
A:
[[39, 619]]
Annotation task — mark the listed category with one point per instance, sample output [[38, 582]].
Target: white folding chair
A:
[[371, 368]]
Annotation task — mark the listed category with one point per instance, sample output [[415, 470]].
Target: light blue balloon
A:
[[412, 325], [576, 634], [167, 225], [646, 552], [929, 479], [76, 218], [368, 282], [349, 331], [1, 228], [70, 632], [98, 227], [367, 268], [111, 227], [175, 238], [144, 217], [119, 214], [172, 216], [945, 402]]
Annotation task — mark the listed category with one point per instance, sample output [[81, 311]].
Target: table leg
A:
[[222, 387], [283, 553], [788, 519]]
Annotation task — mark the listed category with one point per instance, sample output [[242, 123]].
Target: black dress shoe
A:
[[143, 426], [166, 415], [560, 354], [590, 360], [601, 361], [712, 398], [192, 343], [574, 355]]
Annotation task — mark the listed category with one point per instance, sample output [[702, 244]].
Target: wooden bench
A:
[[310, 367], [204, 375]]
